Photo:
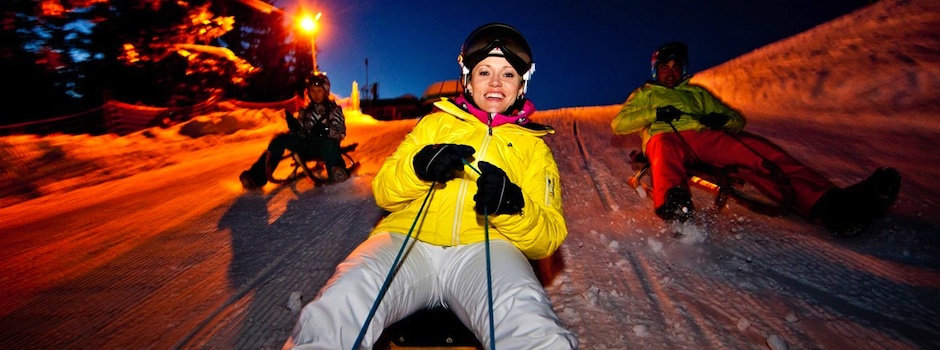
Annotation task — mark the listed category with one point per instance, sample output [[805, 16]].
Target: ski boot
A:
[[846, 212], [678, 205], [338, 174], [248, 181]]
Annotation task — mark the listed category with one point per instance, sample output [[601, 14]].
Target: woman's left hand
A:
[[496, 194]]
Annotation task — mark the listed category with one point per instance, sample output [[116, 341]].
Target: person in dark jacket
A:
[[315, 133], [682, 124]]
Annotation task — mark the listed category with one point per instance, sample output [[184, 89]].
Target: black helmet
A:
[[319, 79], [670, 51], [505, 40]]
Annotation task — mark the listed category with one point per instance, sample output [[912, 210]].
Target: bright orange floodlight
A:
[[310, 24]]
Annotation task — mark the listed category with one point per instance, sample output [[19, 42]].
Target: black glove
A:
[[441, 162], [320, 130], [667, 114], [496, 193], [714, 121], [292, 123]]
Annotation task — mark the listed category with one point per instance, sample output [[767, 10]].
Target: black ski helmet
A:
[[496, 39], [670, 51], [319, 79]]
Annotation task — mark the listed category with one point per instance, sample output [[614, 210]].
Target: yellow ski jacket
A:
[[638, 113], [448, 218]]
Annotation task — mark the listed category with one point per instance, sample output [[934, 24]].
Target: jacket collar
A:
[[518, 116], [685, 81], [449, 107]]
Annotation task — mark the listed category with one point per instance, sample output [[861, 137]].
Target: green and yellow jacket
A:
[[638, 113], [448, 219]]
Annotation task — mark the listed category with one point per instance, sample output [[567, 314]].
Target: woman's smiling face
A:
[[494, 84]]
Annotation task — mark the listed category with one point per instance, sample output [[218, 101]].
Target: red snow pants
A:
[[669, 156]]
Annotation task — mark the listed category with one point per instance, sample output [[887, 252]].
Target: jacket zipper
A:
[[455, 234], [489, 124]]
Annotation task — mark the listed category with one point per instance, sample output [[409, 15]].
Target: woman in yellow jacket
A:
[[516, 200]]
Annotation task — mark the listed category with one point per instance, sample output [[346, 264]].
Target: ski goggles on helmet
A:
[[497, 40]]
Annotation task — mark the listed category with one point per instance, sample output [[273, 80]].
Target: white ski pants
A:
[[429, 276]]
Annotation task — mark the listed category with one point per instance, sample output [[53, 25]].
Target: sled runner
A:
[[428, 329], [314, 168], [723, 183]]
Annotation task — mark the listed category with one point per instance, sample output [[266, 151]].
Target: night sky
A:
[[587, 53]]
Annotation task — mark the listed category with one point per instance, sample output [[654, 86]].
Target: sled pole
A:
[[391, 273], [684, 142], [489, 278], [772, 167], [489, 268]]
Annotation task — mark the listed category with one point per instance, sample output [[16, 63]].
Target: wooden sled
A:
[[723, 183], [313, 168], [429, 329]]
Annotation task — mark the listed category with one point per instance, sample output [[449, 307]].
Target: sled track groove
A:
[[654, 292], [602, 193]]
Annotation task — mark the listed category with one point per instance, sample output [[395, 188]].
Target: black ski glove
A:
[[441, 162], [320, 130], [496, 193], [714, 121], [292, 123], [667, 114]]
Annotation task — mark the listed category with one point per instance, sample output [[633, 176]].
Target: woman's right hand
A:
[[441, 162]]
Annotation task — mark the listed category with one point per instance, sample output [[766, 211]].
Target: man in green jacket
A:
[[682, 124]]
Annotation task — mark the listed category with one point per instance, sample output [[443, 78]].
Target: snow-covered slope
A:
[[879, 61], [114, 242]]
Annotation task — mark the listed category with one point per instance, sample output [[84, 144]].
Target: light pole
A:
[[311, 25]]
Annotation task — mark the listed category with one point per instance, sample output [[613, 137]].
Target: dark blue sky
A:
[[587, 53]]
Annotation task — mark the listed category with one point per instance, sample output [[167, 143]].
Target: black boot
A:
[[338, 174], [678, 205], [879, 191], [248, 181], [256, 176], [838, 213], [846, 212]]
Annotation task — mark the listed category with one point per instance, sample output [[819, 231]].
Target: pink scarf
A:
[[516, 116]]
